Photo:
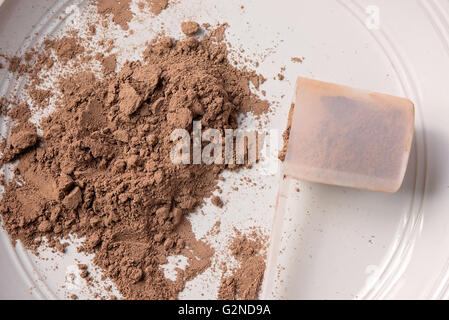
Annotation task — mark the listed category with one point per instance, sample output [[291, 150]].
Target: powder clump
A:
[[121, 13], [156, 6], [22, 138], [190, 27], [216, 201]]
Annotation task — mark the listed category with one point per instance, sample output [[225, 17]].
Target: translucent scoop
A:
[[349, 137]]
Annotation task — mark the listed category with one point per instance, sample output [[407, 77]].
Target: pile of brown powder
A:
[[103, 171]]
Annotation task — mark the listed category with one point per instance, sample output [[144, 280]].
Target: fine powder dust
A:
[[245, 281], [102, 169]]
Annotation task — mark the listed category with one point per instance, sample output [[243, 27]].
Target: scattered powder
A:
[[23, 134], [297, 60], [15, 65], [218, 33], [281, 74], [120, 11], [245, 281]]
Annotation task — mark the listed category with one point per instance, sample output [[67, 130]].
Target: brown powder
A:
[[23, 137], [216, 201], [104, 171], [108, 63], [20, 113], [190, 27], [246, 280], [40, 97], [218, 33], [156, 6], [297, 60], [286, 134], [121, 12], [34, 64], [16, 65], [65, 48], [23, 134]]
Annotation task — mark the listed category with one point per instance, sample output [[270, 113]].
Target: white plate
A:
[[336, 243]]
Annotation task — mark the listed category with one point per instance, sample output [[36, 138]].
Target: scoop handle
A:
[[268, 288]]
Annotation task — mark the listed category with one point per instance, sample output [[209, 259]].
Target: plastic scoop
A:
[[349, 137], [339, 136]]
